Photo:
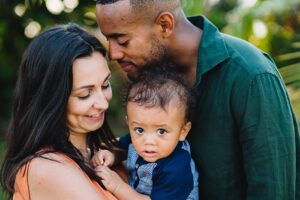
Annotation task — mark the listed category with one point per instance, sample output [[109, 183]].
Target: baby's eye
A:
[[161, 131], [138, 130]]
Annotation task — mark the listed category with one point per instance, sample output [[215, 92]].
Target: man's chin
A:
[[132, 76]]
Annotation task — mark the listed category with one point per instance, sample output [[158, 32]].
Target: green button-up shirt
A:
[[244, 139]]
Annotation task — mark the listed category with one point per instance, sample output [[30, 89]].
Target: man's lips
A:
[[127, 66]]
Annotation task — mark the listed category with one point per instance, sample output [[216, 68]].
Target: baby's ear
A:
[[185, 130]]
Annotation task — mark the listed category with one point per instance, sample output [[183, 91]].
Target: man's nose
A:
[[114, 50]]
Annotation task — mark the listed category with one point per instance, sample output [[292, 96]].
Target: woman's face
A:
[[90, 95]]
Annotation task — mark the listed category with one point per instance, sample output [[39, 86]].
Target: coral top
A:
[[22, 187]]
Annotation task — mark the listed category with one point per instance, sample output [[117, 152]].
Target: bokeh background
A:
[[271, 25]]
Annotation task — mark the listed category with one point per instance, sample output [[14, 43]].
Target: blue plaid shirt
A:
[[174, 177]]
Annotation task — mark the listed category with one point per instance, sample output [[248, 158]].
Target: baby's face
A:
[[155, 132]]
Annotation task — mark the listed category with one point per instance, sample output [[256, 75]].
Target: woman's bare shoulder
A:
[[54, 177], [49, 163]]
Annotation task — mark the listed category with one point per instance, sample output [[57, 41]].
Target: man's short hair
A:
[[137, 4]]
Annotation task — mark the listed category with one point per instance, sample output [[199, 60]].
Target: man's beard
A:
[[159, 60]]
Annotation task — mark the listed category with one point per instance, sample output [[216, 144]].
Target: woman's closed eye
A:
[[106, 85], [85, 95]]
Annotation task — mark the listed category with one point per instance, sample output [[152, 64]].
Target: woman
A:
[[62, 94]]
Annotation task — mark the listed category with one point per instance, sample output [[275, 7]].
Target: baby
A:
[[159, 109]]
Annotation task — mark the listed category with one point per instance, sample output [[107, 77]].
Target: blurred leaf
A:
[[31, 3], [289, 56]]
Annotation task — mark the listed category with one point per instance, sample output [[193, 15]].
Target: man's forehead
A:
[[114, 14], [115, 28], [115, 22], [120, 8]]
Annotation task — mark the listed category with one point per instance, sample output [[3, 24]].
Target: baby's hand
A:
[[103, 157], [110, 179]]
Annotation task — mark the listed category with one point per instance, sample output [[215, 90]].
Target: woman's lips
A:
[[96, 117]]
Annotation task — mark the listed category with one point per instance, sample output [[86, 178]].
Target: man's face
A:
[[131, 43]]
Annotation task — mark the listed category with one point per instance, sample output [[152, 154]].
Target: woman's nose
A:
[[100, 101]]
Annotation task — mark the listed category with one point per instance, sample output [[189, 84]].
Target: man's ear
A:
[[185, 130], [166, 23], [126, 119]]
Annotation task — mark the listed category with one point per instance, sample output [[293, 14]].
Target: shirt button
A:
[[137, 166]]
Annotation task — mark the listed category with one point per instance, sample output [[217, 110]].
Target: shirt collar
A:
[[212, 49]]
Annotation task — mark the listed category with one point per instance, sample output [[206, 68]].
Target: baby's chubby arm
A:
[[116, 185]]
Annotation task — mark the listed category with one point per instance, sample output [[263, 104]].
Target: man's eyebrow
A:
[[115, 35]]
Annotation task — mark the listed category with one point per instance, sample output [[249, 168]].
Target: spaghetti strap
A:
[[21, 184]]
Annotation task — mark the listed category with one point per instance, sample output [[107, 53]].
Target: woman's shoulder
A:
[[54, 176], [50, 163]]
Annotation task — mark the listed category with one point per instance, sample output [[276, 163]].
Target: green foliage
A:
[[280, 19]]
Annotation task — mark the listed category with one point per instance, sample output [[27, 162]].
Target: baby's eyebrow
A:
[[135, 123]]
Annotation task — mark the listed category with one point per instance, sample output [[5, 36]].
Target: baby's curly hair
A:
[[158, 87]]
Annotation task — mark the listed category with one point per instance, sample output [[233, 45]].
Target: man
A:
[[244, 139]]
